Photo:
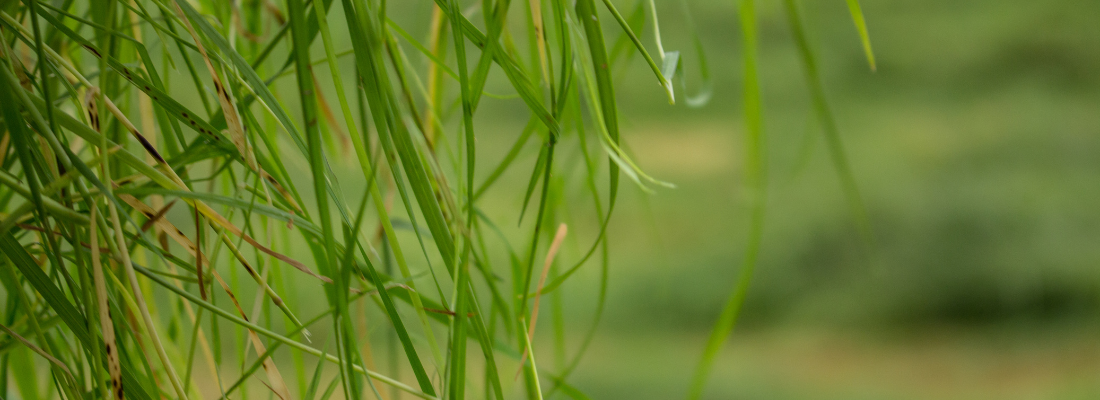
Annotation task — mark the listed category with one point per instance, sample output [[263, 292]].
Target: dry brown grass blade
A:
[[559, 237], [232, 118], [198, 248], [92, 108], [150, 149], [179, 237], [326, 110], [170, 229], [106, 325], [5, 144], [203, 208], [434, 78], [540, 39], [275, 12], [277, 384], [208, 355], [238, 24], [221, 221], [157, 217], [145, 108]]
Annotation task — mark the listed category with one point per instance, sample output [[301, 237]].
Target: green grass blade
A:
[[861, 26], [516, 76], [311, 392], [457, 362], [590, 20], [508, 159], [662, 77]]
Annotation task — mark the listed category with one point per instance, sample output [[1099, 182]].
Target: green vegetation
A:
[[416, 199], [91, 194]]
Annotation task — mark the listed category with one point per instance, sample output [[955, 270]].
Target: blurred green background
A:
[[975, 146]]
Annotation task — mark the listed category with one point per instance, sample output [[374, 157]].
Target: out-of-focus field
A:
[[975, 146], [786, 363]]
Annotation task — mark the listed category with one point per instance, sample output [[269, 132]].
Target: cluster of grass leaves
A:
[[127, 195]]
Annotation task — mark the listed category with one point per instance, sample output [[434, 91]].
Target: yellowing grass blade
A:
[[861, 26], [106, 326], [232, 119]]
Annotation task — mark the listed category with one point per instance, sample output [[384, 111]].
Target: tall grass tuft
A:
[[154, 150]]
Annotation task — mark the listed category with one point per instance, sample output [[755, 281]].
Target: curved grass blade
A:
[[53, 360], [707, 88], [586, 13], [229, 110]]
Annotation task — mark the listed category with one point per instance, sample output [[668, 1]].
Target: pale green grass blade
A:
[[532, 182], [531, 359], [53, 360], [337, 293], [861, 26], [755, 185], [420, 47], [311, 392], [706, 90], [271, 350], [508, 159], [828, 123]]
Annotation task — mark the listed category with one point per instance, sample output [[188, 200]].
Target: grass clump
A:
[[130, 188]]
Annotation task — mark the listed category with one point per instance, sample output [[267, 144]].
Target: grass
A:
[[130, 188]]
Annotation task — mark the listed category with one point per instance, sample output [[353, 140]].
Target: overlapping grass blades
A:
[[102, 276]]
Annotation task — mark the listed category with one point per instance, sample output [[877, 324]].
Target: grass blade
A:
[[828, 122], [861, 26], [755, 185]]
